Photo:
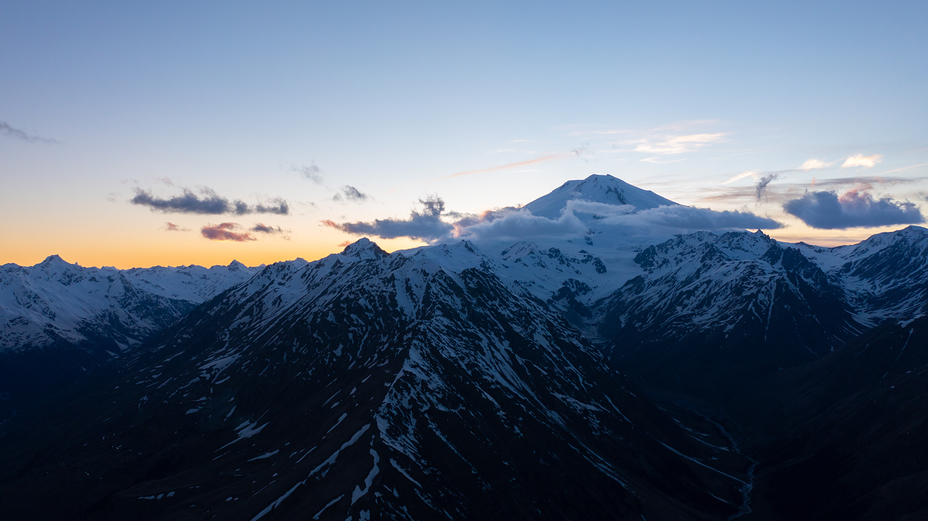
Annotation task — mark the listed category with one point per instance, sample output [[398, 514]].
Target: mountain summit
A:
[[596, 188]]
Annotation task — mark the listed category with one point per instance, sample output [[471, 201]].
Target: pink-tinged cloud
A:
[[813, 164], [225, 232], [171, 227]]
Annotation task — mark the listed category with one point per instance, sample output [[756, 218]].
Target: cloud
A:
[[209, 204], [277, 206], [669, 145], [225, 232], [688, 218], [854, 209], [575, 220], [520, 224], [660, 162], [263, 228], [861, 160], [503, 167], [741, 176], [15, 133], [270, 230], [311, 172], [517, 224], [425, 225], [761, 186], [350, 193], [171, 227], [813, 164]]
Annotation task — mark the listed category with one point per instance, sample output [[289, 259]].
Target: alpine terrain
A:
[[623, 370]]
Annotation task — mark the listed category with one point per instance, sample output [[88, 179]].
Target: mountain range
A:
[[611, 375]]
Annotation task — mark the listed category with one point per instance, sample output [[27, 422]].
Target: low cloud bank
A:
[[433, 224], [854, 209], [425, 225]]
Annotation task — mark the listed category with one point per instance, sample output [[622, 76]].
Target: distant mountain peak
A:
[[364, 249], [597, 188], [53, 259]]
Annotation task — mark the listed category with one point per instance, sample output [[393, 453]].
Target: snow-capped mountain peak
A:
[[363, 249], [603, 189]]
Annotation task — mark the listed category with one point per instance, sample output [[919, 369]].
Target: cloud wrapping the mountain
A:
[[225, 232], [854, 209], [511, 223], [520, 225], [687, 218], [209, 204], [574, 221]]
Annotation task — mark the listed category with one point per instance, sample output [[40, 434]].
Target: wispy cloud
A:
[[675, 127], [503, 167], [351, 194], [861, 160], [854, 209], [761, 186], [661, 161], [741, 176], [171, 227], [671, 145], [209, 204], [903, 168], [813, 164], [311, 172], [15, 133], [270, 230], [226, 232]]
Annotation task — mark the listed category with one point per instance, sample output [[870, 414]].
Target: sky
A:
[[175, 133]]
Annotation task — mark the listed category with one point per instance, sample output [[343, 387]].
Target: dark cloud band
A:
[[854, 209], [209, 204], [425, 225]]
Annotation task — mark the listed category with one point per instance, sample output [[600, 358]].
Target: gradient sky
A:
[[484, 105]]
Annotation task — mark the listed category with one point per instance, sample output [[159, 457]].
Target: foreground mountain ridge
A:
[[460, 396]]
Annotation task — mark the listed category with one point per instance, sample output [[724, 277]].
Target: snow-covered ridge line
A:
[[56, 301]]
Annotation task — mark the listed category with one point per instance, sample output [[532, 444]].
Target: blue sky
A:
[[696, 101]]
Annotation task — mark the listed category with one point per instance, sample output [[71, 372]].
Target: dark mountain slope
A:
[[366, 386], [844, 437], [713, 313]]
